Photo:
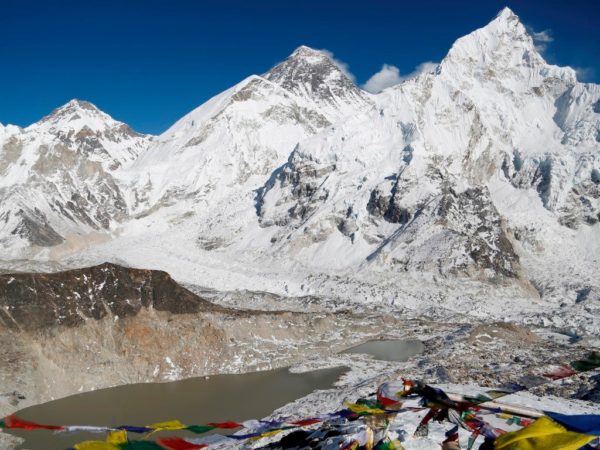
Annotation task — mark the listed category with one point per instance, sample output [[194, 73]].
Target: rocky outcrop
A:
[[37, 301], [582, 205], [388, 207], [472, 214], [301, 183], [33, 225]]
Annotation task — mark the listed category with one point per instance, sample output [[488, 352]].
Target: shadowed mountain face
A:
[[38, 301]]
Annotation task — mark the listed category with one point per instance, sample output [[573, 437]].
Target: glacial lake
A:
[[389, 350], [194, 401]]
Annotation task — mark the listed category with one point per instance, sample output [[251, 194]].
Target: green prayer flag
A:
[[481, 398], [199, 429], [590, 363], [2, 423], [368, 402], [385, 446]]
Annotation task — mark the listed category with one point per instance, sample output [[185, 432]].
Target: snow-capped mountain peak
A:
[[57, 175], [505, 29], [75, 105], [75, 115], [82, 127], [305, 63], [503, 49], [506, 16], [248, 130], [311, 74], [308, 53]]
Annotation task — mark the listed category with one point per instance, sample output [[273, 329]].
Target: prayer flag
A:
[[168, 425], [544, 433], [225, 425], [175, 443]]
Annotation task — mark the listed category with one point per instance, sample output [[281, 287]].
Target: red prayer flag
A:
[[175, 443], [226, 425], [13, 421], [452, 438], [561, 372], [306, 422], [382, 400]]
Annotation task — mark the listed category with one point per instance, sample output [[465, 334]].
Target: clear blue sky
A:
[[148, 62]]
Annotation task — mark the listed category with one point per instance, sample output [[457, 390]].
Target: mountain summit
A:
[[501, 50], [312, 74], [75, 115], [59, 174]]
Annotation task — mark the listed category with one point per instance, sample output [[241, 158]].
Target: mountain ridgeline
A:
[[486, 170]]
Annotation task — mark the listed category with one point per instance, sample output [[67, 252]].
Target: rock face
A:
[[299, 182], [37, 301]]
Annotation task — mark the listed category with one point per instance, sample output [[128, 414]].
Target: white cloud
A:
[[390, 76], [424, 67], [541, 39], [341, 64], [386, 77]]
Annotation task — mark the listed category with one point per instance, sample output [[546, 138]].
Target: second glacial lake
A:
[[389, 350]]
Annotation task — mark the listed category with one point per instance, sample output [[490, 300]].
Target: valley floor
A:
[[460, 353]]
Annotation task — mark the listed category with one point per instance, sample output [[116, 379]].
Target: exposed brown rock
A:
[[502, 331], [70, 298]]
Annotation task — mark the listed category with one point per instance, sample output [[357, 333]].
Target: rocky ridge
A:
[[30, 302]]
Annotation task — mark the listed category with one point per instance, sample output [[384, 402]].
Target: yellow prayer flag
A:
[[270, 433], [112, 442], [370, 439], [543, 434], [168, 425], [95, 445], [266, 434], [362, 409], [117, 437]]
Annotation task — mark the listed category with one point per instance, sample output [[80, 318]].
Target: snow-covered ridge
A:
[[298, 181]]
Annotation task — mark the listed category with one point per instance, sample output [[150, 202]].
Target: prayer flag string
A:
[[572, 432]]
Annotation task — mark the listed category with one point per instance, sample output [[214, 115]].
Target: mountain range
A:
[[472, 188]]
